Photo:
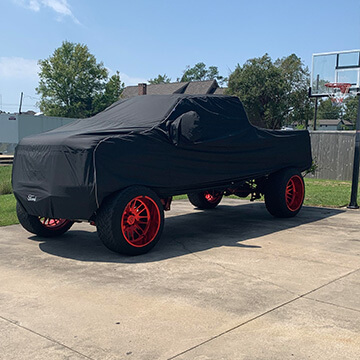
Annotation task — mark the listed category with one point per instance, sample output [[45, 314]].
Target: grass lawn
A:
[[7, 199], [5, 180], [327, 193], [7, 210]]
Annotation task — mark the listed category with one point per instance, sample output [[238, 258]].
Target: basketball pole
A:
[[355, 178], [315, 112]]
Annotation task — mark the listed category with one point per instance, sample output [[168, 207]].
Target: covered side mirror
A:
[[186, 129]]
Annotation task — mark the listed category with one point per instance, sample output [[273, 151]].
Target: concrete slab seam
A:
[[329, 303], [235, 327], [261, 315], [13, 322], [330, 282]]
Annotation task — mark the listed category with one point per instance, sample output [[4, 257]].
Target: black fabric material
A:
[[170, 143]]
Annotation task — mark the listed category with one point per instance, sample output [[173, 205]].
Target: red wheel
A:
[[208, 199], [54, 224], [284, 193], [294, 193], [213, 196], [42, 226], [140, 221], [131, 222]]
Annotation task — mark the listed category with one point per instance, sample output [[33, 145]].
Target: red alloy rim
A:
[[213, 196], [294, 193], [53, 224], [140, 222]]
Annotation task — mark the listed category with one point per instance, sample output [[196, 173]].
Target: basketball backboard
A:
[[335, 67]]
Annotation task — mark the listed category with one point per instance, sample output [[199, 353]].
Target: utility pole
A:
[[21, 99], [355, 178]]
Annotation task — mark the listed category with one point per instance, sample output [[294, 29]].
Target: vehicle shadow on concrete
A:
[[197, 231]]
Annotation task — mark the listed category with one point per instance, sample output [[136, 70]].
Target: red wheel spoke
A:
[[141, 209], [138, 227], [132, 207], [131, 234], [143, 218], [136, 230]]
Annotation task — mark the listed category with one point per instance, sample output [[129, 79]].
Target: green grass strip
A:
[[8, 210]]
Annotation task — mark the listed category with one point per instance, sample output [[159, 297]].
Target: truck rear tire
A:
[[131, 222], [285, 192], [206, 199], [42, 226]]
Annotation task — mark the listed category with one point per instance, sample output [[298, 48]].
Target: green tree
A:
[[273, 93], [73, 84], [300, 108], [160, 79], [199, 72], [261, 87], [351, 109], [327, 110], [111, 94]]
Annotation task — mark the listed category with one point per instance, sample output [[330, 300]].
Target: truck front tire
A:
[[131, 222], [42, 226]]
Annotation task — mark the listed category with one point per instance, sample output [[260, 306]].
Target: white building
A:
[[14, 127], [332, 124]]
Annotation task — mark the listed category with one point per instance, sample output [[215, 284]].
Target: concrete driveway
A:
[[231, 283]]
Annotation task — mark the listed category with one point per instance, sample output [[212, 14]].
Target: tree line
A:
[[274, 93]]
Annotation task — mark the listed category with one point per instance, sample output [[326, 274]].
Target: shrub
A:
[[5, 188]]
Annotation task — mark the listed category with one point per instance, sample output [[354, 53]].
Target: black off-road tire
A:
[[42, 226], [131, 222], [206, 199], [285, 193]]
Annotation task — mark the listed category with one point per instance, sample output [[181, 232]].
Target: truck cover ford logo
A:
[[31, 197]]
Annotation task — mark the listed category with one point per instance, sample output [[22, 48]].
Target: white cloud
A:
[[129, 80], [18, 68], [61, 7], [34, 5]]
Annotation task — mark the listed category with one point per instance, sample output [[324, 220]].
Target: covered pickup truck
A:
[[120, 168]]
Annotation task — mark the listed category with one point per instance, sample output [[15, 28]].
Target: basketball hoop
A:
[[337, 92]]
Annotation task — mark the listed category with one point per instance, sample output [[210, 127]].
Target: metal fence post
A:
[[355, 178]]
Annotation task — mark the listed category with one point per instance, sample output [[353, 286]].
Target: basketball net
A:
[[337, 92]]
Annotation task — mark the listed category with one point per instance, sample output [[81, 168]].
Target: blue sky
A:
[[142, 38]]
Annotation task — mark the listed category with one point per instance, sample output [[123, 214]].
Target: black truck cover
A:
[[171, 143]]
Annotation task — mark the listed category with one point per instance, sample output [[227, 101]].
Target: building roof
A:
[[190, 88], [333, 122], [201, 87], [220, 91]]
